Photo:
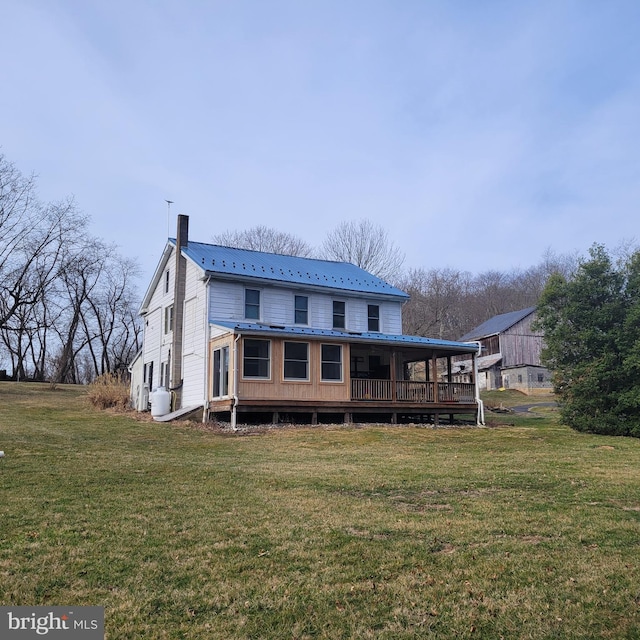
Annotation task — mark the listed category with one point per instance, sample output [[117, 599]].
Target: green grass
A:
[[523, 531]]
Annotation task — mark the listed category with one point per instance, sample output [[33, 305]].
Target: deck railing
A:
[[365, 389], [410, 391]]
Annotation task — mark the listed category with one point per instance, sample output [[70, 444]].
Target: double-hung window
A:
[[296, 360], [168, 319], [373, 317], [301, 310], [256, 358], [331, 362], [339, 313], [252, 304]]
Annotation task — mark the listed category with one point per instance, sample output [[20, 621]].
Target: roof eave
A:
[[320, 288], [400, 340], [166, 254]]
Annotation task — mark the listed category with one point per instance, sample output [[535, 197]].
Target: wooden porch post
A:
[[393, 375], [434, 375]]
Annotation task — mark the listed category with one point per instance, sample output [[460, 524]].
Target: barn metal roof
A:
[[347, 336], [497, 324], [232, 262]]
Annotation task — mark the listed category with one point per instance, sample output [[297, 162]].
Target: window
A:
[[168, 318], [252, 304], [338, 315], [166, 282], [149, 376], [301, 310], [373, 317], [331, 362], [164, 375], [540, 377], [256, 362], [296, 361], [221, 372]]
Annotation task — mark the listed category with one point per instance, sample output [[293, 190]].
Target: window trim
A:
[[297, 310], [168, 319], [252, 304], [220, 375], [268, 359], [167, 277], [285, 360], [371, 318], [323, 362], [344, 315]]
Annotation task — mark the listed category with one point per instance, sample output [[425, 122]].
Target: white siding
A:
[[157, 343], [391, 317], [277, 307], [226, 301], [216, 332], [194, 348], [152, 346]]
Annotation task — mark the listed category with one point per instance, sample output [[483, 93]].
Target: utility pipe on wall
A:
[[474, 360], [234, 410], [207, 359]]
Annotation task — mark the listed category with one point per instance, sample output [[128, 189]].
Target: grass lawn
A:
[[524, 529]]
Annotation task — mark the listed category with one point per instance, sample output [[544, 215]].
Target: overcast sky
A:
[[478, 133]]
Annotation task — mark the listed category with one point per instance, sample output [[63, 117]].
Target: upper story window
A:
[[252, 304], [256, 358], [373, 317], [166, 281], [301, 310], [339, 312], [296, 361], [168, 318]]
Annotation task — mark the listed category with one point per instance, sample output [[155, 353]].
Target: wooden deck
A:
[[382, 400]]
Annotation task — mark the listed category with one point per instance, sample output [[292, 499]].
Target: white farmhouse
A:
[[246, 335]]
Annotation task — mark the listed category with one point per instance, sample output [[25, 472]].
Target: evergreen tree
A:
[[591, 324]]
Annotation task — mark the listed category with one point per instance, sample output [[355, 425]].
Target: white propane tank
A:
[[160, 402]]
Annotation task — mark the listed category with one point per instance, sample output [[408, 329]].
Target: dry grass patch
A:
[[109, 391]]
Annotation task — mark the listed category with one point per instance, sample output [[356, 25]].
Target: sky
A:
[[479, 134]]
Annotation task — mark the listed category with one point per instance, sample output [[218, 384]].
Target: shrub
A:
[[109, 390]]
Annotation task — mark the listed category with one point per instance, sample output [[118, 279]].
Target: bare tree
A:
[[366, 245], [79, 277], [67, 300], [261, 238], [109, 320], [32, 240], [437, 300]]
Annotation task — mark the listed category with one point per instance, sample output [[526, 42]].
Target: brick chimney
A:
[[182, 240]]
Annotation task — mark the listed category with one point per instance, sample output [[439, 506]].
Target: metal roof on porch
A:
[[349, 336]]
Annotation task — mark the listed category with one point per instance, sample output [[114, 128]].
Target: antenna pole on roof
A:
[[169, 203]]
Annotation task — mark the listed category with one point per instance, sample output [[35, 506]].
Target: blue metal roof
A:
[[347, 336], [232, 262], [497, 324]]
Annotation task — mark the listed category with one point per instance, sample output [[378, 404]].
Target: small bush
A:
[[109, 391]]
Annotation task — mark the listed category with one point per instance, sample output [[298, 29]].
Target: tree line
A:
[[68, 302]]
